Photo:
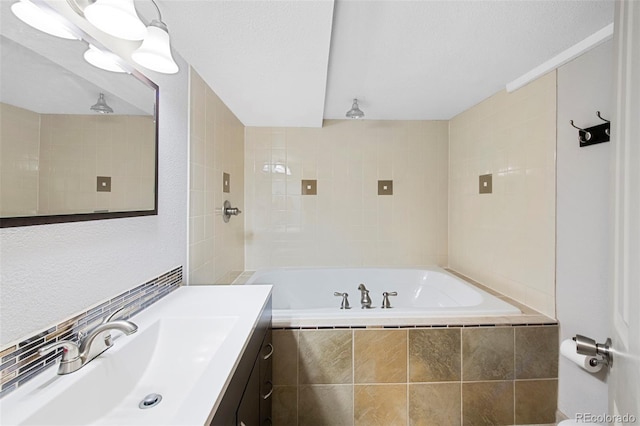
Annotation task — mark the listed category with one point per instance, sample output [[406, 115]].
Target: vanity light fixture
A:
[[155, 51], [101, 106], [355, 111], [117, 18], [42, 20], [104, 60]]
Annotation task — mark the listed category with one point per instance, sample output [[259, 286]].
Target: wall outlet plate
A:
[[309, 187], [385, 187], [226, 182], [103, 184], [485, 184]]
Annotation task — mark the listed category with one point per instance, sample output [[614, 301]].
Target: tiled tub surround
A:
[[21, 362], [506, 239], [347, 223], [451, 375]]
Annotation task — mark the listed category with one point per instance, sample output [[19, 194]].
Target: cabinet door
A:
[[248, 413], [266, 385]]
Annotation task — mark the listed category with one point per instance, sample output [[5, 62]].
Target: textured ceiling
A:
[[297, 62], [293, 63]]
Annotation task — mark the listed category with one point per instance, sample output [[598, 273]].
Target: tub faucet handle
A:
[[345, 302], [385, 299]]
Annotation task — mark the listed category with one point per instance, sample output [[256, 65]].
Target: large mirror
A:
[[64, 155]]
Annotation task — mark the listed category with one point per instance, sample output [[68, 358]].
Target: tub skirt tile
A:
[[320, 405]]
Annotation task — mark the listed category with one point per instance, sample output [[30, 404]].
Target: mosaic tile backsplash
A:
[[21, 362]]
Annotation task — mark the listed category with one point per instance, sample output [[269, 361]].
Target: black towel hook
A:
[[600, 117], [587, 135]]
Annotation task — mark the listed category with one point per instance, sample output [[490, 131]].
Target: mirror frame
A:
[[11, 222]]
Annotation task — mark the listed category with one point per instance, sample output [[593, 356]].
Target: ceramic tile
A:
[[380, 356], [536, 352], [536, 401], [434, 355], [285, 359], [487, 353], [325, 357], [383, 405], [284, 406], [325, 405], [435, 404], [487, 403]]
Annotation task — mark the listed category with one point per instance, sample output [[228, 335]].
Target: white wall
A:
[[49, 272], [583, 187]]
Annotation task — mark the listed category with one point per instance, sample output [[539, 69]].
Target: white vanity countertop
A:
[[208, 328]]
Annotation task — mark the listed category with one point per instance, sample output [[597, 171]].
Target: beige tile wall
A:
[[506, 240], [216, 249], [19, 156], [75, 149], [421, 376], [50, 162], [347, 223]]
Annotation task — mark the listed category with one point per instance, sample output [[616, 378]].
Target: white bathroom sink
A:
[[180, 352]]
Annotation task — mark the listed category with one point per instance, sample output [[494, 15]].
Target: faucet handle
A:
[[345, 301], [386, 304], [70, 360], [70, 350]]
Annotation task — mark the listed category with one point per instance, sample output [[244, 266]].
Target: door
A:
[[624, 383]]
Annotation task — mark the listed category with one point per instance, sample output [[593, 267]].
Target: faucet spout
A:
[[365, 299]]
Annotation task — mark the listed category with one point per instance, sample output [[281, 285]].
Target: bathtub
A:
[[304, 297]]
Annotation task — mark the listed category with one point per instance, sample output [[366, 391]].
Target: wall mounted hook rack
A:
[[595, 134]]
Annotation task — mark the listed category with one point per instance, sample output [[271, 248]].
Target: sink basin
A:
[[164, 359], [180, 352]]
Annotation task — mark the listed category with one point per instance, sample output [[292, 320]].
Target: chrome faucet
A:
[[365, 300], [75, 356]]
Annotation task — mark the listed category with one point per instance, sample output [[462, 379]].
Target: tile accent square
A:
[[325, 356], [380, 356], [226, 182], [434, 355], [380, 405], [385, 187], [435, 404], [487, 353], [325, 405], [103, 184], [537, 352], [487, 403], [536, 401], [309, 187], [485, 184]]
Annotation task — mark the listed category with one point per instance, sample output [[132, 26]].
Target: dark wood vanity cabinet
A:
[[247, 400]]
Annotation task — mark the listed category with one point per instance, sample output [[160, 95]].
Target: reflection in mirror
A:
[[63, 155]]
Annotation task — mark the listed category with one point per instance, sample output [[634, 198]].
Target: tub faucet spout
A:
[[365, 300]]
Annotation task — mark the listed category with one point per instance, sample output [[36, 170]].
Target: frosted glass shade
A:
[[155, 51], [104, 60], [46, 22], [117, 18]]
